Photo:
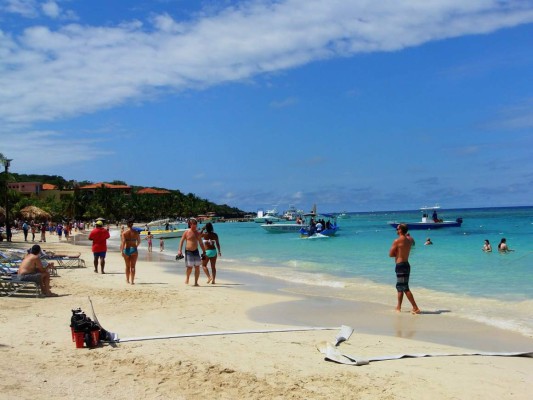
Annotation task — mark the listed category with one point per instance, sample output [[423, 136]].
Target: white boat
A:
[[433, 222], [292, 213], [282, 227], [268, 216]]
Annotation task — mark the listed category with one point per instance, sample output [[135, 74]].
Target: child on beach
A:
[[161, 244]]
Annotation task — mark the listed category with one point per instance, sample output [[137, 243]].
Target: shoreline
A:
[[36, 339], [351, 293]]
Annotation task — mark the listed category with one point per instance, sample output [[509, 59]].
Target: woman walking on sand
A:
[[130, 240], [211, 244]]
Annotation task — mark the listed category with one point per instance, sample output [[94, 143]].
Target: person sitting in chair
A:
[[31, 270]]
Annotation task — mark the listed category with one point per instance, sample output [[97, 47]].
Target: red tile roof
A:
[[49, 186], [106, 185], [152, 191]]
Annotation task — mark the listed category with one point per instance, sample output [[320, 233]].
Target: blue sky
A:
[[352, 105]]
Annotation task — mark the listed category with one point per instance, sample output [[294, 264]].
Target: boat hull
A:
[[412, 226], [282, 228], [304, 232], [165, 234]]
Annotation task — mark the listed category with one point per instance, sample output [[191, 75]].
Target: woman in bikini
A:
[[128, 247], [211, 244]]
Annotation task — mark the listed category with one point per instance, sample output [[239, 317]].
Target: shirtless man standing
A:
[[31, 269], [400, 250], [192, 256]]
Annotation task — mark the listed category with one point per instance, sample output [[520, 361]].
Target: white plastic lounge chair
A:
[[10, 284]]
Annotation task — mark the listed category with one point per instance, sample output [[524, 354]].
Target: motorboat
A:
[[292, 213], [324, 224], [165, 229], [282, 227], [433, 222], [164, 233], [267, 216]]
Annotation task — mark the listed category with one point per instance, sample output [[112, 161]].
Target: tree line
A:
[[111, 204]]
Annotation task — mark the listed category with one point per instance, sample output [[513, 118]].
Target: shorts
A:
[[192, 258], [403, 270], [211, 253], [37, 277], [128, 251], [100, 254]]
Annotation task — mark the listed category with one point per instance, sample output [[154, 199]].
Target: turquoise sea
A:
[[453, 273]]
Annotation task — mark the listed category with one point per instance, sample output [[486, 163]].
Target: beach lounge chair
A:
[[11, 259], [66, 260], [10, 285]]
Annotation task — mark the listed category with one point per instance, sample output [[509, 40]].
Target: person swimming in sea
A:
[[487, 248]]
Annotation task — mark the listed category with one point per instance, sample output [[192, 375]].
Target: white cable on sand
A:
[[184, 335]]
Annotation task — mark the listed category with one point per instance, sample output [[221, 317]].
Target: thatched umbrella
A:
[[32, 212]]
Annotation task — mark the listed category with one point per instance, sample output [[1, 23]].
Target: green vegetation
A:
[[111, 204]]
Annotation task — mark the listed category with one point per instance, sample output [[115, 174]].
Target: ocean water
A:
[[452, 274]]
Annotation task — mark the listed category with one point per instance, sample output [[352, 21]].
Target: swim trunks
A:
[[403, 270], [128, 251], [192, 258], [37, 277], [100, 254]]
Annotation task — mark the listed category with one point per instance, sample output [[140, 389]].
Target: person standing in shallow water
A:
[[130, 240], [401, 247]]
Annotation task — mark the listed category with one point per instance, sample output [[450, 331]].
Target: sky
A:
[[352, 105]]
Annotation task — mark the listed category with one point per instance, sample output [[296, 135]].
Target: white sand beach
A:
[[41, 361]]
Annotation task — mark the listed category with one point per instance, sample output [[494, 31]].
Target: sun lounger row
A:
[[11, 285]]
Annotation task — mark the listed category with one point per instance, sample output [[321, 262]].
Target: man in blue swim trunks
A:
[[99, 236], [192, 255], [400, 250]]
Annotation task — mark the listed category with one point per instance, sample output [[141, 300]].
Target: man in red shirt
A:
[[99, 236]]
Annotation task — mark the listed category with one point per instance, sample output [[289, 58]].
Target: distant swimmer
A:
[[428, 242], [487, 248], [502, 246]]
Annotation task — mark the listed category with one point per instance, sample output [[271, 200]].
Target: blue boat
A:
[[433, 222], [329, 226]]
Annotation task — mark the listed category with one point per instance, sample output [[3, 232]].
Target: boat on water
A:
[[163, 228], [282, 227], [324, 224], [267, 216], [164, 233], [433, 222], [292, 213]]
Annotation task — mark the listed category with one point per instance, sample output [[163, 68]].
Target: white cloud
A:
[[24, 8], [51, 74], [38, 149], [51, 9]]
